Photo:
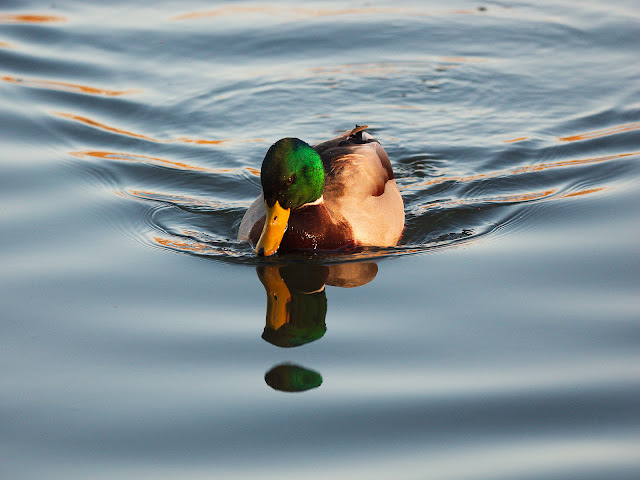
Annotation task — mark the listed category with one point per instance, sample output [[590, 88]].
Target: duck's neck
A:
[[319, 201]]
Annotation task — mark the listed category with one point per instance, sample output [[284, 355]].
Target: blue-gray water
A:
[[500, 340]]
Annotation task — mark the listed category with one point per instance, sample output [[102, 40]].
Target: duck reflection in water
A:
[[297, 308]]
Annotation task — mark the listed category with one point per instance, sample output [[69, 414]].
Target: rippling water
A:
[[499, 340]]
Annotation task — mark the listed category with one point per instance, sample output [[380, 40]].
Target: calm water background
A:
[[500, 340]]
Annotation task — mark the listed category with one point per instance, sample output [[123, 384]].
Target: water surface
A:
[[499, 340]]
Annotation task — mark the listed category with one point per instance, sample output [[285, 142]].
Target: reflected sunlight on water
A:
[[30, 18], [140, 339], [601, 133], [102, 126], [70, 87], [301, 12]]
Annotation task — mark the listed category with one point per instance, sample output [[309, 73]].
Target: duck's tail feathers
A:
[[358, 135]]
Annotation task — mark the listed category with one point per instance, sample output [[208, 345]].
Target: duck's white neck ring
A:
[[315, 202]]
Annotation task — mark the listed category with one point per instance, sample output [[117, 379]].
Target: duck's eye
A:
[[291, 179]]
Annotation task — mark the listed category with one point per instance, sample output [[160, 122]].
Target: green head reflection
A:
[[288, 377], [297, 309], [296, 304]]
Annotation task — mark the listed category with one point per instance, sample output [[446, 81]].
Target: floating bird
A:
[[337, 195]]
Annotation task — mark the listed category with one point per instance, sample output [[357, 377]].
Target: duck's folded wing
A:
[[356, 135], [360, 188]]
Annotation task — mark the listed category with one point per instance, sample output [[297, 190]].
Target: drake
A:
[[336, 195]]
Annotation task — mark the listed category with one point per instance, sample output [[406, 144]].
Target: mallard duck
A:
[[336, 195]]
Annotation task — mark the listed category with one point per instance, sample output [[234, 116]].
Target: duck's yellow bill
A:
[[274, 227]]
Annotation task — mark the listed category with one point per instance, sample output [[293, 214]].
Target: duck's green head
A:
[[292, 175]]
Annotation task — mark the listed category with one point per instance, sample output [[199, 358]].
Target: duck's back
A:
[[360, 188]]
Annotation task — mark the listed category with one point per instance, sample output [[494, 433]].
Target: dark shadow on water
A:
[[297, 309]]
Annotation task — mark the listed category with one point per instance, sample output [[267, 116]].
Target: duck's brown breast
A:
[[310, 228]]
